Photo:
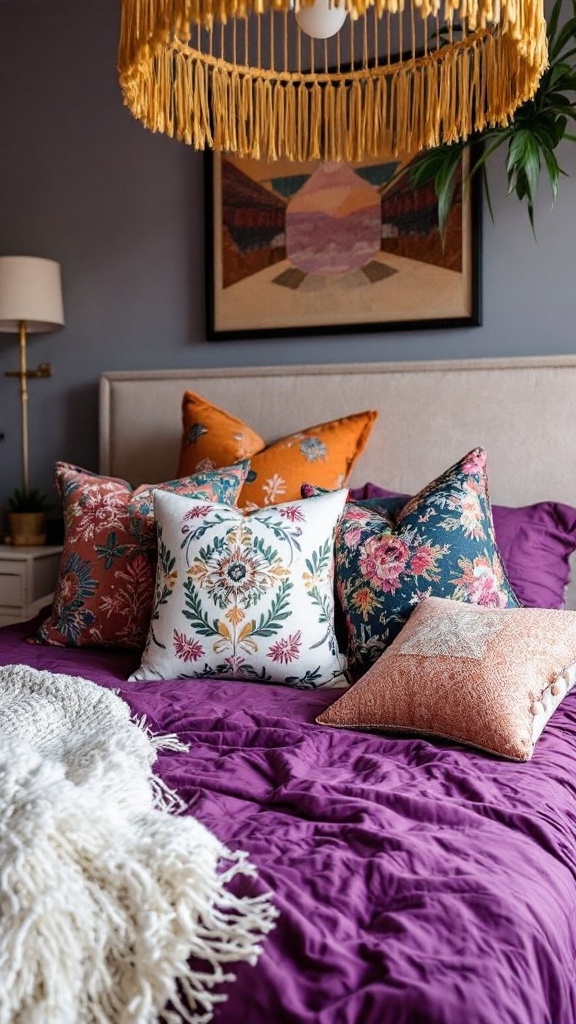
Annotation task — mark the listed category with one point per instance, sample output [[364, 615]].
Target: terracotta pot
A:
[[27, 529]]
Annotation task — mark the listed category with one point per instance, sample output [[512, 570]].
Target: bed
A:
[[417, 880]]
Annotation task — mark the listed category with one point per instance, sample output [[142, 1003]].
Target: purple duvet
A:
[[417, 882]]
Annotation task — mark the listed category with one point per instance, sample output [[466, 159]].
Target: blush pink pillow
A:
[[535, 542], [484, 676]]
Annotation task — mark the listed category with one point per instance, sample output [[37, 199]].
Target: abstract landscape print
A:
[[304, 248]]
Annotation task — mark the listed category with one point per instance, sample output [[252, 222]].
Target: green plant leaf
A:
[[532, 135], [567, 32], [553, 172], [439, 166], [523, 165], [553, 19], [28, 500], [445, 185]]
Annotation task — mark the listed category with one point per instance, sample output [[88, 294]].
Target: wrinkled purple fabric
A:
[[417, 882], [535, 542]]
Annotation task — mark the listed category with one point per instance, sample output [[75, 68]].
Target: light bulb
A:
[[322, 20]]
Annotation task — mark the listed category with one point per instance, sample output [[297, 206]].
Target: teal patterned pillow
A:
[[245, 596], [440, 544]]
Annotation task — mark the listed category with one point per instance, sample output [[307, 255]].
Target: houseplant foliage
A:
[[27, 509], [531, 136], [27, 500]]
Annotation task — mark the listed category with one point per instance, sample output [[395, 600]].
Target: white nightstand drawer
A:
[[43, 577], [27, 579], [11, 585]]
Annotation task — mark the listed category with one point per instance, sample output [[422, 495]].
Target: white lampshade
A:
[[30, 292]]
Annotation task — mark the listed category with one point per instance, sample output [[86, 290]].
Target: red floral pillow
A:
[[105, 586]]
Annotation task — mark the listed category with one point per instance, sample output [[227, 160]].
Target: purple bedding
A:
[[417, 882]]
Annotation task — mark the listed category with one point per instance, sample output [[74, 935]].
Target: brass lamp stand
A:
[[43, 370]]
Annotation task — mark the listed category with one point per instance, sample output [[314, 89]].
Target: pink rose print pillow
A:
[[440, 544], [536, 543]]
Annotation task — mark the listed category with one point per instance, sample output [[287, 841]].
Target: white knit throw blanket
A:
[[104, 894]]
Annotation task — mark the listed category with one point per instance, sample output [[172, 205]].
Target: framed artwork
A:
[[333, 248]]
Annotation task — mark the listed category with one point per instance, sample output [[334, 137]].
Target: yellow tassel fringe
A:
[[206, 101]]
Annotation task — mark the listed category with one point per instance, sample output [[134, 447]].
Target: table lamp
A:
[[30, 303]]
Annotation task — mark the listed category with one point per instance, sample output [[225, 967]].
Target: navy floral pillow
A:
[[440, 544]]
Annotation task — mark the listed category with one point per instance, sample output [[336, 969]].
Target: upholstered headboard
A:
[[430, 414]]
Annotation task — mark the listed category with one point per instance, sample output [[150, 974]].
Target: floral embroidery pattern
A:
[[76, 587], [460, 634], [313, 449], [441, 543], [196, 431], [273, 489], [236, 572], [287, 649], [188, 650], [245, 596], [105, 588]]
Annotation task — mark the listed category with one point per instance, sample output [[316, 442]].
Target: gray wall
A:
[[123, 211]]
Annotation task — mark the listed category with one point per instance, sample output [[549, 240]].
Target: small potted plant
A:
[[27, 517]]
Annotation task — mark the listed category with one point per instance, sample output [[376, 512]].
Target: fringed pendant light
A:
[[243, 76]]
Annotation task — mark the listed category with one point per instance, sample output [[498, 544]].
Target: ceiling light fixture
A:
[[401, 75]]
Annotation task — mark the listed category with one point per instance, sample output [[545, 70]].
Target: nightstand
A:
[[27, 580]]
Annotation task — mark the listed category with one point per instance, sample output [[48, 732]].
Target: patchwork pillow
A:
[[105, 585], [485, 676], [535, 542], [323, 455], [245, 597], [440, 543]]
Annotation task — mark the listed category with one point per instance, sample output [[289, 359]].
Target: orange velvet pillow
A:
[[212, 437], [322, 455]]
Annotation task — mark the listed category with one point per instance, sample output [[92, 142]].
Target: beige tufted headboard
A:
[[430, 414]]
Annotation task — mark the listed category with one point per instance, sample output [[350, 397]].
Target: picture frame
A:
[[301, 249]]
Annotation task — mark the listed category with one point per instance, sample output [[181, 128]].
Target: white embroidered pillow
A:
[[489, 677], [245, 596]]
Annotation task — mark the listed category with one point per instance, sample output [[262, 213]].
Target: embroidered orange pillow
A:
[[212, 437], [323, 455], [475, 674]]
